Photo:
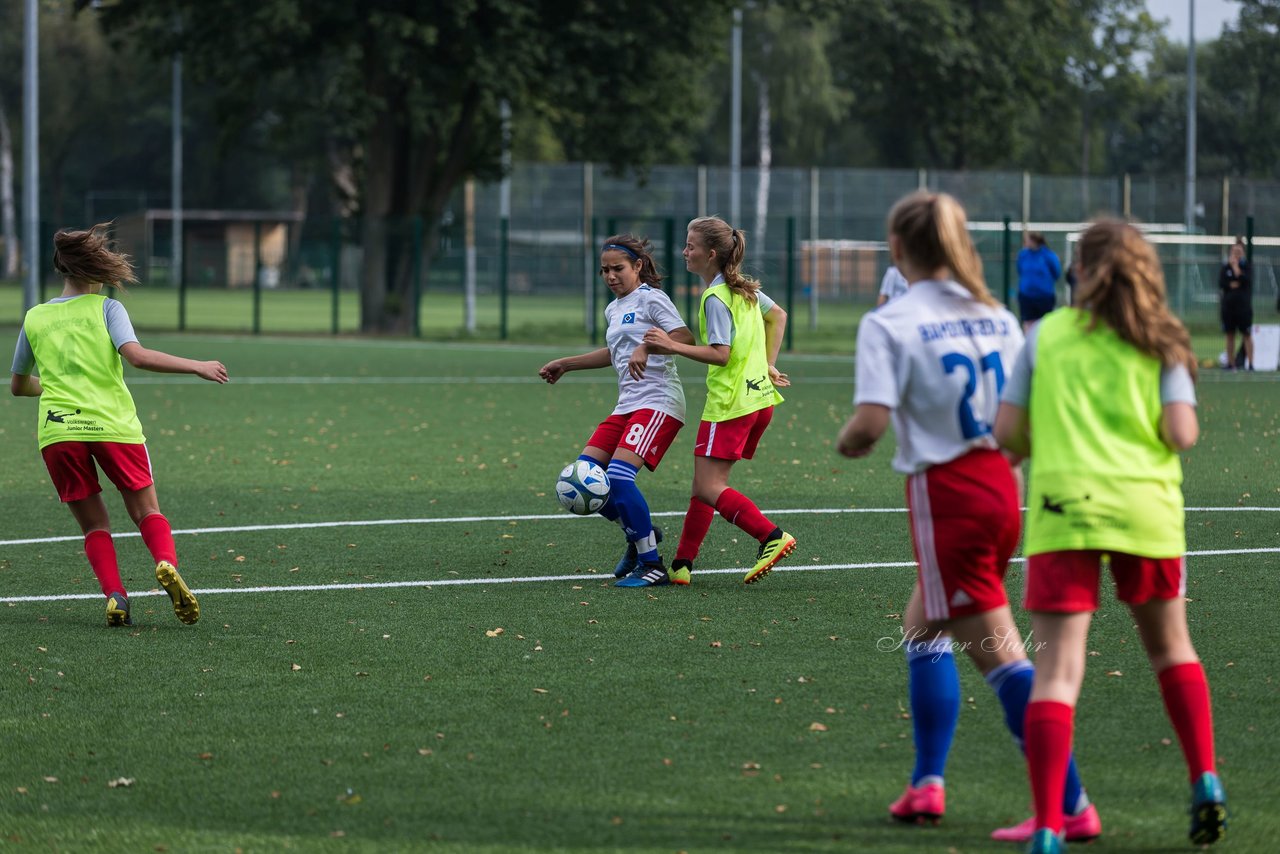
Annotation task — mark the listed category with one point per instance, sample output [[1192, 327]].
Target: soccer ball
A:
[[583, 487]]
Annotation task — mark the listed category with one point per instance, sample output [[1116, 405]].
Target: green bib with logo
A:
[[741, 386], [85, 398], [1101, 476]]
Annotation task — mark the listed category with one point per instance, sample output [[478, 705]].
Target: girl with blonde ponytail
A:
[[933, 361], [741, 328]]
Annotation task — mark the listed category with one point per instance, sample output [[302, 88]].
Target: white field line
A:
[[531, 379], [528, 579], [543, 517]]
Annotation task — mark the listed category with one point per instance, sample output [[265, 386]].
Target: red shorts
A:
[[965, 522], [735, 439], [74, 475], [647, 433], [1067, 582]]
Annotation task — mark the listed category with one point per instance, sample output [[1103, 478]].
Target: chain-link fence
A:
[[815, 242]]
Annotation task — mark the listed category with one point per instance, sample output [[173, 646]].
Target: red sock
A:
[[1186, 698], [159, 538], [697, 521], [740, 511], [101, 552], [1047, 736]]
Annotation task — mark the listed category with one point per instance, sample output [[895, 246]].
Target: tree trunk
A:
[[381, 308], [8, 224]]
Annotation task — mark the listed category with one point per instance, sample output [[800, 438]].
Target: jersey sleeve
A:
[[876, 366], [1176, 385], [719, 321], [119, 326], [765, 301], [1017, 386], [664, 314], [24, 358]]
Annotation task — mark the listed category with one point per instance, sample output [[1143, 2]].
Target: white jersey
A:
[[628, 319], [894, 284], [938, 358]]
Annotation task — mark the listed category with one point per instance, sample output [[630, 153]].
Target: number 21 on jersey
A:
[[971, 426]]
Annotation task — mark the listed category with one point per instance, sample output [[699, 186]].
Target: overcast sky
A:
[[1210, 16]]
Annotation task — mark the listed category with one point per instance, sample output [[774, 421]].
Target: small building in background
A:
[[222, 248]]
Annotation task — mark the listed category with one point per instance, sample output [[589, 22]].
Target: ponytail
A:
[[730, 246], [87, 257], [933, 232]]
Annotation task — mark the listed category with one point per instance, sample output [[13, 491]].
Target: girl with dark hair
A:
[[933, 361], [742, 329], [75, 342], [1038, 272], [650, 409], [1106, 491]]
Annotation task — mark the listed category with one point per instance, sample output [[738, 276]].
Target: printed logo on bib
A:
[[72, 424]]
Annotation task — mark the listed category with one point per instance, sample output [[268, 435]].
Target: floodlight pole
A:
[[1190, 210], [735, 125], [176, 260], [31, 156]]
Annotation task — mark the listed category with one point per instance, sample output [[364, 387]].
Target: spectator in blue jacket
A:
[[1038, 272]]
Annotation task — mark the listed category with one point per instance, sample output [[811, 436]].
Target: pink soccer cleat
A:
[[1075, 828], [920, 806]]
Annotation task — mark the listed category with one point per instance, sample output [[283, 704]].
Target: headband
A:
[[620, 247]]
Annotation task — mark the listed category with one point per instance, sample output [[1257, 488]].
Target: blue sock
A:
[[610, 509], [633, 509], [933, 684], [1012, 684]]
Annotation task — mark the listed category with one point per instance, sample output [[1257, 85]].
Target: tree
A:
[[1241, 126], [951, 84], [412, 91]]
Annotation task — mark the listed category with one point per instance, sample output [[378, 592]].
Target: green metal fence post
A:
[[791, 280], [1248, 239], [669, 238], [335, 272], [504, 247], [182, 291], [1008, 255], [257, 277]]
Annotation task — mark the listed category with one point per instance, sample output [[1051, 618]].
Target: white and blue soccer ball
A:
[[583, 487]]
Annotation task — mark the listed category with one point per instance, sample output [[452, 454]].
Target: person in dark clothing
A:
[[1236, 285]]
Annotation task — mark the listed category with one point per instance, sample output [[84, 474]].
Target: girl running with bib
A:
[[742, 330], [87, 417], [1102, 399]]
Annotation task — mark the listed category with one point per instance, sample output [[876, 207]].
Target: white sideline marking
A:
[[453, 380], [547, 517], [528, 579]]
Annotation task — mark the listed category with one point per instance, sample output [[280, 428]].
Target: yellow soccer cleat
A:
[[184, 603], [118, 610], [771, 551]]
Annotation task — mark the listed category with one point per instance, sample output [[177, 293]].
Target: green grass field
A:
[[832, 328], [405, 644]]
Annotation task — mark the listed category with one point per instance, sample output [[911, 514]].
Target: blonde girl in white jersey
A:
[[933, 362], [650, 409]]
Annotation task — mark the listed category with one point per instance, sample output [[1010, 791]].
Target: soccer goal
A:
[[1191, 265]]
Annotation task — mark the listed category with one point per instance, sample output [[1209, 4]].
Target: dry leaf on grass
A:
[[120, 782], [817, 727]]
